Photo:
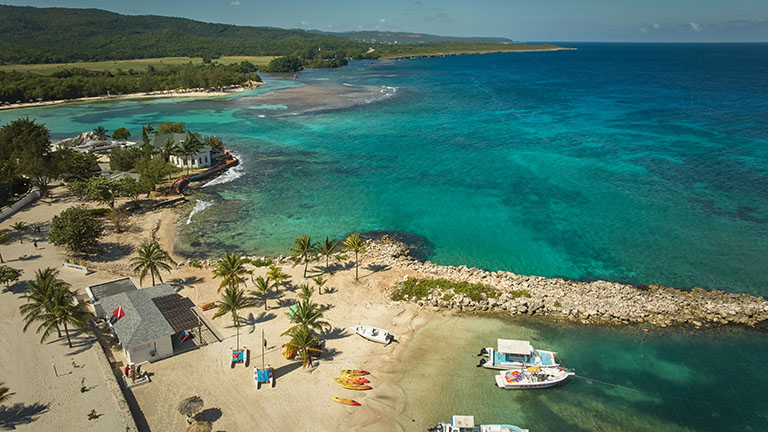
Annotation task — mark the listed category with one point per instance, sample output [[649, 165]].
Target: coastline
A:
[[414, 56], [195, 93]]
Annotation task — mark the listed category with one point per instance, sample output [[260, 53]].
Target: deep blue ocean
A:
[[643, 163]]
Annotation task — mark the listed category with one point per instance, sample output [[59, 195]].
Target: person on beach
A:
[[35, 243]]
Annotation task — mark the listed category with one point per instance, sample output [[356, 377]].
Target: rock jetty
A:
[[585, 302]]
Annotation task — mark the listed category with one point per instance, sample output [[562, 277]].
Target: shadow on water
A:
[[20, 414]]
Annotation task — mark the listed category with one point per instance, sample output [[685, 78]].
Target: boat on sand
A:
[[513, 354], [373, 334], [354, 372], [344, 401], [467, 424]]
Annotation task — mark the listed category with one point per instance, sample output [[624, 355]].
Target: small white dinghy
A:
[[373, 334]]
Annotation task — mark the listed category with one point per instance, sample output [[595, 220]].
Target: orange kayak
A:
[[356, 387], [345, 401], [354, 372], [351, 380]]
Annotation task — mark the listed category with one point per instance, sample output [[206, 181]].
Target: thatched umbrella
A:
[[191, 406], [200, 426]]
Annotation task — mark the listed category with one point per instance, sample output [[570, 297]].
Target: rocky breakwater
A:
[[471, 289]]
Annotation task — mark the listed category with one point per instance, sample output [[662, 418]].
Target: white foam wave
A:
[[388, 91], [200, 205], [348, 85], [229, 175]]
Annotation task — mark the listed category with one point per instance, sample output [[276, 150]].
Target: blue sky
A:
[[531, 20]]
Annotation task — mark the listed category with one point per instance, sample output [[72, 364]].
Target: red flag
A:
[[118, 313]]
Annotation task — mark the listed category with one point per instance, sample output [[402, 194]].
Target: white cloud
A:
[[304, 23], [643, 30], [382, 20], [694, 26], [656, 26], [234, 3]]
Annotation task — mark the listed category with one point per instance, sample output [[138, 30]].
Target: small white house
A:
[[202, 159]]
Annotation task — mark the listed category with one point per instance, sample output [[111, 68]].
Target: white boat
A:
[[373, 334], [532, 377], [467, 424], [513, 354]]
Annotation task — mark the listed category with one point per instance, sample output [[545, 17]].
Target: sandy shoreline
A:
[[150, 95]]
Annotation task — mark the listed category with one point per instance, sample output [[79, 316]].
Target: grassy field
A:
[[450, 48], [140, 64]]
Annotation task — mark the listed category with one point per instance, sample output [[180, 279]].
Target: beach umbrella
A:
[[191, 406], [200, 426]]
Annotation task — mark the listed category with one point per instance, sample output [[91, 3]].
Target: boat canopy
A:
[[517, 347], [463, 421]]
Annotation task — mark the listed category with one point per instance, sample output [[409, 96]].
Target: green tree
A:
[[151, 259], [276, 274], [168, 148], [308, 314], [304, 342], [76, 229], [102, 190], [189, 148], [4, 240], [232, 300], [327, 248], [51, 302], [283, 64], [262, 288], [5, 393], [303, 251], [353, 243], [20, 227], [118, 218], [79, 188], [170, 127], [215, 143], [231, 269], [25, 147], [124, 158], [9, 275], [128, 187], [319, 281], [99, 133], [121, 134], [73, 165], [146, 133], [151, 173]]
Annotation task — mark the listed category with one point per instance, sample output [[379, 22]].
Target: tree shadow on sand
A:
[[17, 288], [20, 414], [335, 333], [179, 283], [209, 414], [110, 251]]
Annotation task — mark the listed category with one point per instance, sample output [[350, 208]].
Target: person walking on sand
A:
[[35, 243]]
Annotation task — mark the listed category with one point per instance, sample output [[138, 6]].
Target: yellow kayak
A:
[[345, 401], [354, 372], [351, 380], [356, 387]]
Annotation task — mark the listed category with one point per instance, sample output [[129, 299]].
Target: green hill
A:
[[52, 35]]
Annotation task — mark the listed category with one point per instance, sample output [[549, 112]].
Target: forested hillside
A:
[[53, 35]]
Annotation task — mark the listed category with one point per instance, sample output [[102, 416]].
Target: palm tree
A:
[[39, 294], [354, 244], [232, 301], [168, 148], [5, 393], [100, 133], [320, 281], [262, 289], [20, 227], [304, 342], [189, 148], [151, 258], [276, 274], [303, 251], [327, 248], [307, 314], [306, 292], [51, 301], [231, 269], [4, 239]]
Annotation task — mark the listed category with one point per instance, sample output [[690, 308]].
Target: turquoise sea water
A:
[[639, 163]]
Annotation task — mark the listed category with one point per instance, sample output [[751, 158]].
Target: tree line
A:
[[77, 82]]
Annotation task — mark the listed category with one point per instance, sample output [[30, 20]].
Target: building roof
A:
[[143, 322], [177, 311], [517, 347], [100, 291], [123, 175]]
